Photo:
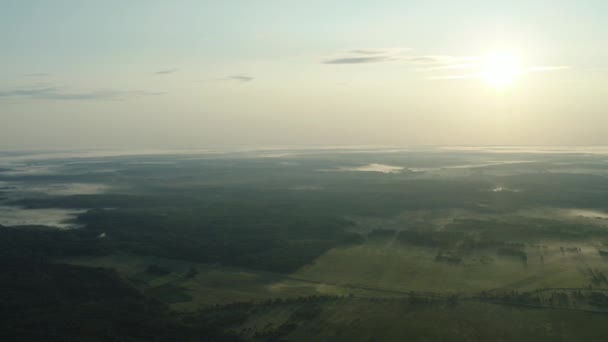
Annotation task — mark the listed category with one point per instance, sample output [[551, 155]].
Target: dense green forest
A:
[[236, 247]]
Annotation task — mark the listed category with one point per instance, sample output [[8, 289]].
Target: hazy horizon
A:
[[203, 74]]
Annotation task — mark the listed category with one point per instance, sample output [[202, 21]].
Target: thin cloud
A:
[[241, 78], [397, 55], [365, 56], [55, 93], [427, 59], [454, 67], [166, 71], [357, 60], [379, 51], [366, 52]]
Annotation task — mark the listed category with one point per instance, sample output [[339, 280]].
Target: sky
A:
[[284, 73]]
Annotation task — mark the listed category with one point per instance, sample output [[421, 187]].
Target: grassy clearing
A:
[[382, 264], [211, 285], [391, 320], [379, 263]]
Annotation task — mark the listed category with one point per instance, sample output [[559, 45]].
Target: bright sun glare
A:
[[501, 69]]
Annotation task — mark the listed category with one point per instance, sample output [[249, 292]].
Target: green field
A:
[[390, 320], [387, 265], [380, 267]]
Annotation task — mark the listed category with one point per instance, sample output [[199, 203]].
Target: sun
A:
[[501, 69]]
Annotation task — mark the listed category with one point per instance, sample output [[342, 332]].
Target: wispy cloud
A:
[[397, 55], [357, 60], [435, 60], [56, 93], [436, 67], [367, 51], [240, 78], [379, 51], [365, 56], [166, 71]]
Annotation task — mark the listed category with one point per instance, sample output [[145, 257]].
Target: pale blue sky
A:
[[187, 73]]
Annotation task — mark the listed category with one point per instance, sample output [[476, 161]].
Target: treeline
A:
[[232, 315], [459, 243], [45, 301], [57, 302], [253, 236], [41, 243]]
